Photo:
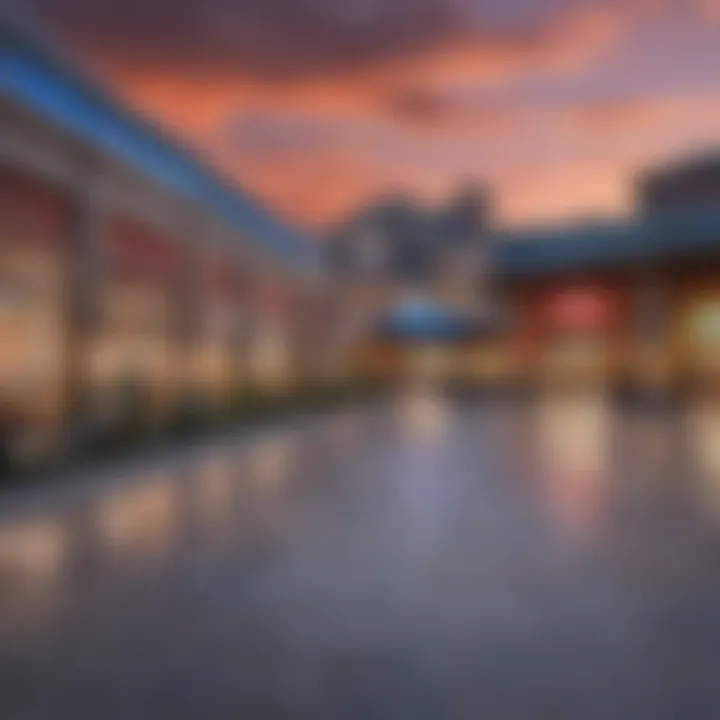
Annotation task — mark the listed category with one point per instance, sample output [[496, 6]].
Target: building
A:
[[692, 185], [631, 304], [134, 282], [396, 254]]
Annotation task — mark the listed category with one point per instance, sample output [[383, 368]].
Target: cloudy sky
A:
[[318, 106]]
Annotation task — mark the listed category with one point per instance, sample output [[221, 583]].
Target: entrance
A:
[[577, 345], [35, 224], [429, 365], [702, 343]]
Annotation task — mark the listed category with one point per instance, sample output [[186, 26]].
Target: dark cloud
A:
[[283, 36], [317, 105]]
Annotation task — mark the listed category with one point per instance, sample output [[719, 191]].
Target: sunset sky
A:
[[318, 106]]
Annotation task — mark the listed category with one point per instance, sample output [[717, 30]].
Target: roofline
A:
[[17, 36], [650, 239]]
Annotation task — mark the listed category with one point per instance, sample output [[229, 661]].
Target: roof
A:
[[654, 238], [701, 165], [548, 250], [34, 75]]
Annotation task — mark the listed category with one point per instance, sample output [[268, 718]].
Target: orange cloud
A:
[[421, 116], [573, 39]]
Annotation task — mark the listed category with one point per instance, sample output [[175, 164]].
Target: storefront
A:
[[100, 315], [345, 339], [35, 233], [219, 360], [383, 361], [488, 359], [270, 361], [699, 341], [577, 336], [486, 363], [651, 362], [138, 374], [637, 301], [430, 344]]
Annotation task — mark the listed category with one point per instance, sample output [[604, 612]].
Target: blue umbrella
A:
[[422, 320]]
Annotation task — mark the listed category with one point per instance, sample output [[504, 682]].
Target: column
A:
[[84, 319]]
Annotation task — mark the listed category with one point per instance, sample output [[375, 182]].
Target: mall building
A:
[[133, 281], [631, 305], [627, 306]]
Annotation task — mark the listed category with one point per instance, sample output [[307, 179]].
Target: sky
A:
[[320, 106]]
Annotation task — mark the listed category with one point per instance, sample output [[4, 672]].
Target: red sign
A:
[[134, 249], [31, 211], [273, 299], [580, 310], [224, 279]]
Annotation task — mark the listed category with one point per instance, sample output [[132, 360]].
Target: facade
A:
[[396, 255], [633, 305], [134, 283], [691, 185], [629, 305]]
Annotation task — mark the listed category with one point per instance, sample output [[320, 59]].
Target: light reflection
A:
[[703, 434], [573, 444], [215, 487], [33, 552], [139, 520], [271, 460], [270, 357], [425, 421], [424, 416]]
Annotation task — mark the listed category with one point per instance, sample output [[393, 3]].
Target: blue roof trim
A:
[[680, 232], [425, 320], [658, 237], [547, 251], [32, 76]]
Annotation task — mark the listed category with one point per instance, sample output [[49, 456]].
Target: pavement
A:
[[414, 558]]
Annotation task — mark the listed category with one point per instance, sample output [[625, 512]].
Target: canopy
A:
[[422, 320]]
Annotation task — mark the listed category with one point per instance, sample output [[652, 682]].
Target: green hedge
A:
[[193, 422]]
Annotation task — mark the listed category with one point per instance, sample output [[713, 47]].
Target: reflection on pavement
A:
[[139, 520], [32, 553], [575, 453], [215, 487], [424, 416], [703, 436], [413, 570], [271, 461], [420, 472]]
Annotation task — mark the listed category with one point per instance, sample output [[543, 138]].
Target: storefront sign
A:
[[580, 310], [136, 250], [223, 279], [31, 212], [273, 300]]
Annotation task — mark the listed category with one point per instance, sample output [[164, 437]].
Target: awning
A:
[[422, 320]]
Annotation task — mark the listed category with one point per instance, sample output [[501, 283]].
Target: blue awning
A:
[[422, 320]]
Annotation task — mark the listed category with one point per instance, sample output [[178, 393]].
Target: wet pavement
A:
[[413, 559]]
